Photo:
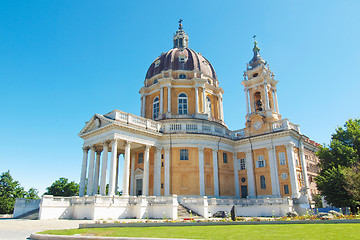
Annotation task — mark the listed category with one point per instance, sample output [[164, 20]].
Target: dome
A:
[[181, 59]]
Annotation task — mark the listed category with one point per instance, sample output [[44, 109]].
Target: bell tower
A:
[[261, 94]]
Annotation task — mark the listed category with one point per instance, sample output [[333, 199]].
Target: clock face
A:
[[257, 125]]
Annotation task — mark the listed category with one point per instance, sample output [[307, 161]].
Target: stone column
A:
[[117, 173], [267, 107], [83, 172], [236, 175], [145, 190], [221, 108], [276, 101], [250, 174], [203, 97], [104, 168], [169, 98], [90, 182], [126, 172], [112, 175], [247, 101], [303, 167], [292, 170], [196, 99], [215, 171], [97, 173], [201, 171], [275, 184], [157, 172], [167, 172], [132, 173], [161, 101]]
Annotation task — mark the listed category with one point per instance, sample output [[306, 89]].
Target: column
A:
[[196, 99], [132, 173], [216, 176], [247, 101], [275, 184], [221, 108], [157, 172], [89, 190], [142, 105], [97, 173], [169, 99], [203, 97], [267, 107], [112, 175], [161, 101], [250, 174], [145, 190], [303, 166], [292, 170], [83, 172], [236, 176], [167, 172], [276, 101], [117, 173], [201, 171], [126, 172], [104, 161]]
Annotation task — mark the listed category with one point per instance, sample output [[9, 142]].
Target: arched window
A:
[[182, 104], [262, 182], [208, 106], [156, 107]]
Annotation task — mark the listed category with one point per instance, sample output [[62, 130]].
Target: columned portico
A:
[[201, 171], [126, 172], [83, 172], [145, 190]]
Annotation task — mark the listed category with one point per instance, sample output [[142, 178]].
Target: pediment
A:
[[138, 171], [96, 122]]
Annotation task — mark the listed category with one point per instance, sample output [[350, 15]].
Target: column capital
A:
[[86, 149], [215, 150], [290, 145], [201, 148], [114, 140], [158, 148], [105, 143], [93, 148], [147, 147], [270, 148], [127, 144], [166, 148]]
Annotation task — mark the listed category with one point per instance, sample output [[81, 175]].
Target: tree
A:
[[10, 190], [63, 188], [339, 177]]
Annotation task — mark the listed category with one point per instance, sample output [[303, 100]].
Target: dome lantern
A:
[[180, 38]]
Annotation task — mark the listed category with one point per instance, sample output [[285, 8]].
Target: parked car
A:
[[221, 214]]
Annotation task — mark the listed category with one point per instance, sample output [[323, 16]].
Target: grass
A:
[[293, 231]]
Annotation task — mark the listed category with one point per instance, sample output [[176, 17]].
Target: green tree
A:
[[339, 166], [33, 193], [9, 191], [63, 188]]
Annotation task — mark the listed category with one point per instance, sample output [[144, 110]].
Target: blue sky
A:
[[63, 61]]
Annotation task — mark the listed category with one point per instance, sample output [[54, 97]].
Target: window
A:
[[260, 162], [262, 182], [284, 176], [208, 106], [182, 76], [156, 107], [162, 164], [286, 189], [162, 156], [183, 107], [157, 63], [141, 158], [282, 158], [182, 58], [225, 160], [162, 186], [155, 81], [184, 154], [243, 179], [242, 164]]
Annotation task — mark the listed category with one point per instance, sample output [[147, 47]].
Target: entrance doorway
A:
[[139, 183], [244, 192]]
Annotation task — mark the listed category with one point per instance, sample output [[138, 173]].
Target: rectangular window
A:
[[282, 158], [286, 189], [162, 156], [225, 160], [184, 154], [162, 185], [162, 164], [242, 164], [260, 162], [141, 158]]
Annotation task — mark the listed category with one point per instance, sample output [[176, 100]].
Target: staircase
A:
[[32, 215], [186, 213]]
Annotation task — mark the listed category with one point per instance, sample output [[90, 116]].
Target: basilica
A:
[[180, 151]]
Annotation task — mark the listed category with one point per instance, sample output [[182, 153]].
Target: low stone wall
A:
[[23, 206]]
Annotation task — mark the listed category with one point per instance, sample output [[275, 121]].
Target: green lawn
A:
[[293, 231]]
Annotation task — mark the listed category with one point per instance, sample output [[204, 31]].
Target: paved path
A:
[[20, 229]]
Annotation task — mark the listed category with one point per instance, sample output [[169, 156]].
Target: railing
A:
[[248, 201], [284, 124]]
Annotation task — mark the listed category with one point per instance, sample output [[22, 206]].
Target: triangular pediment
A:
[[96, 122], [138, 171]]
